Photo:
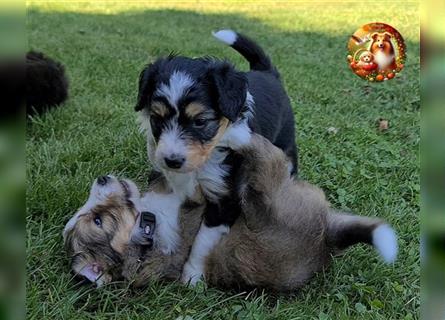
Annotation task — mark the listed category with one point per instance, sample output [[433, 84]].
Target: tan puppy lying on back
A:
[[287, 232]]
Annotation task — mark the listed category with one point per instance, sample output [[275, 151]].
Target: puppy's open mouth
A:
[[126, 188]]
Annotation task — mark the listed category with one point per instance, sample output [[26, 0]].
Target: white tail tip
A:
[[227, 36], [384, 240]]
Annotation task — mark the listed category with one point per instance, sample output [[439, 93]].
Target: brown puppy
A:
[[286, 233], [383, 51], [98, 237]]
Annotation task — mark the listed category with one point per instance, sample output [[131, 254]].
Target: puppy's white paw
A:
[[237, 136], [191, 275]]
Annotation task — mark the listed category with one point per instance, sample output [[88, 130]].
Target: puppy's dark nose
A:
[[174, 161], [102, 180]]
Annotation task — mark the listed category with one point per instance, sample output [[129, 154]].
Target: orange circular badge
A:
[[376, 52]]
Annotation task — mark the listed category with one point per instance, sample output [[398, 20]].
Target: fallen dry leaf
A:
[[332, 130], [383, 124]]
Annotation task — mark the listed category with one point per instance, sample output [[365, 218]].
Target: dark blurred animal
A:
[[46, 83]]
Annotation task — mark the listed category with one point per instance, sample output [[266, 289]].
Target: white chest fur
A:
[[383, 60]]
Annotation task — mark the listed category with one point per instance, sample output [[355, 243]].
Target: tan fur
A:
[[193, 109], [287, 232], [280, 243], [159, 109], [87, 243], [198, 154], [121, 237]]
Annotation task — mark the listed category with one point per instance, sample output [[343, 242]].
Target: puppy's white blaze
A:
[[384, 240], [206, 239], [166, 208], [227, 36], [170, 142], [178, 85]]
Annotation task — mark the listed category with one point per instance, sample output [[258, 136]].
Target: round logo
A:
[[376, 52]]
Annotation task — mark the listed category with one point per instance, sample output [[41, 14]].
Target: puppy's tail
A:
[[253, 53], [345, 230]]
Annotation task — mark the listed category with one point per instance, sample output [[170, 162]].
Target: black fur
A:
[[12, 86], [253, 53], [355, 233], [46, 83], [273, 118], [273, 115], [231, 89], [228, 208]]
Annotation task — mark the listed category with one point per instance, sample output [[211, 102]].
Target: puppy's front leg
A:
[[206, 239]]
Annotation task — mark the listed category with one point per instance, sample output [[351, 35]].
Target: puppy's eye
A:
[[98, 221], [199, 122]]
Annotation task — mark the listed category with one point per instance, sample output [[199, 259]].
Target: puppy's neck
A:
[[183, 185]]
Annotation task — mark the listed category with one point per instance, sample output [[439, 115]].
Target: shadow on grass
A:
[[307, 60]]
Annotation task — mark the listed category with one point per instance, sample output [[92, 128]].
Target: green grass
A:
[[361, 169]]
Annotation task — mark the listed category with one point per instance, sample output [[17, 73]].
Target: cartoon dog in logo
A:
[[383, 51], [365, 65]]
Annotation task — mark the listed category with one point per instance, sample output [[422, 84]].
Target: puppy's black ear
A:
[[231, 88], [147, 83]]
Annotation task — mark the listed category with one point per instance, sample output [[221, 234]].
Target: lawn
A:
[[362, 169]]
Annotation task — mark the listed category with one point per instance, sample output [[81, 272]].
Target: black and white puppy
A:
[[194, 110]]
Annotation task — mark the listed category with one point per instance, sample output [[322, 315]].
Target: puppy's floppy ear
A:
[[147, 81], [374, 35], [231, 89]]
